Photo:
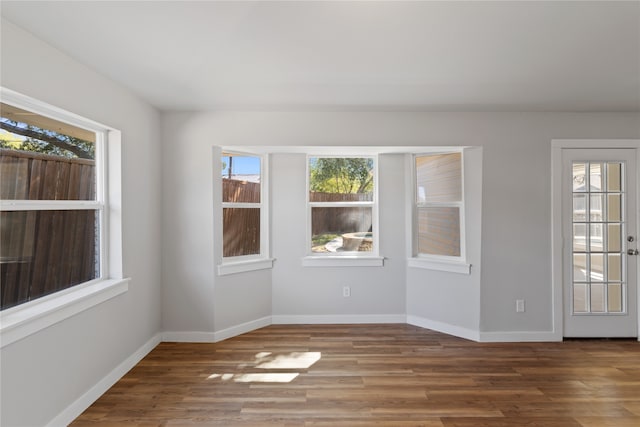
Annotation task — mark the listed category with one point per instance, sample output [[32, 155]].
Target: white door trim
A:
[[557, 145]]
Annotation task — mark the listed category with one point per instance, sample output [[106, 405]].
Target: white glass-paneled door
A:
[[599, 229]]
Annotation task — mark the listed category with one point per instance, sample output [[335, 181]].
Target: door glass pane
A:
[[613, 207], [613, 238], [580, 297], [579, 207], [614, 297], [595, 177], [615, 267], [595, 237], [579, 184], [596, 268], [613, 177], [579, 237], [597, 297], [579, 267], [595, 208]]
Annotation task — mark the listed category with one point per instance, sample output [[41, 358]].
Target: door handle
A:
[[632, 252]]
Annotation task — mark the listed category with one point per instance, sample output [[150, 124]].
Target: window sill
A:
[[244, 266], [19, 322], [440, 265], [342, 261]]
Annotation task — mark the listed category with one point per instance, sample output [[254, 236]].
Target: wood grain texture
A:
[[375, 375]]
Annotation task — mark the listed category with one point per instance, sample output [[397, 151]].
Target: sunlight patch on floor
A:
[[267, 360]]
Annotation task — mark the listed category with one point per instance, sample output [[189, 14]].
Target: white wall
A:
[[46, 372], [305, 294], [510, 261]]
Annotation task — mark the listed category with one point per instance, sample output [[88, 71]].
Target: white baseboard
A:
[[520, 336], [445, 328], [76, 408], [188, 336], [191, 336], [324, 319], [242, 328]]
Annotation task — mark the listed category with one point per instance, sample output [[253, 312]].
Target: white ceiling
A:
[[453, 56]]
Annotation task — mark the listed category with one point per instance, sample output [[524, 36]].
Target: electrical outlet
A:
[[346, 291], [519, 306]]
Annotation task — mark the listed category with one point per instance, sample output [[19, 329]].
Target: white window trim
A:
[[31, 317], [432, 263], [242, 266], [345, 259], [435, 262], [261, 261]]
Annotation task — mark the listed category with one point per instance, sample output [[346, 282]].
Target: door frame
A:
[[557, 243]]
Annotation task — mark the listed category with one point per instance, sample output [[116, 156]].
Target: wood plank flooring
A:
[[376, 375]]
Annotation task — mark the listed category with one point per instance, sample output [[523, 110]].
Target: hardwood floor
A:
[[375, 375]]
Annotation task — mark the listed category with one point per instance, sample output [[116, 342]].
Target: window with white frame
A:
[[53, 204], [243, 215], [439, 207], [342, 206]]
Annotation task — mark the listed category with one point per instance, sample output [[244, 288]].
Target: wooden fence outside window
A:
[[43, 252]]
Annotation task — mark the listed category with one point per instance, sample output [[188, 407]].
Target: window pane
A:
[[595, 209], [613, 207], [439, 231], [613, 176], [579, 267], [597, 297], [613, 239], [579, 237], [615, 267], [614, 301], [44, 159], [241, 231], [579, 207], [439, 178], [46, 251], [595, 237], [339, 179], [579, 177], [341, 229], [579, 297], [595, 178], [597, 271], [240, 179]]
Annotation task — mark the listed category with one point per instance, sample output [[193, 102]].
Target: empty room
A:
[[319, 213]]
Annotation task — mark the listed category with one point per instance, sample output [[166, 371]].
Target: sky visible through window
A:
[[242, 165]]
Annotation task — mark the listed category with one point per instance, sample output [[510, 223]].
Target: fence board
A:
[[236, 191]]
